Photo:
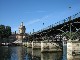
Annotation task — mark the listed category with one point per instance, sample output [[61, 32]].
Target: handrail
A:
[[77, 15]]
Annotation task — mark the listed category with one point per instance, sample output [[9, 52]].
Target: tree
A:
[[2, 31], [8, 31], [5, 32]]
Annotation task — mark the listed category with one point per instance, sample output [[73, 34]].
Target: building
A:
[[22, 29], [21, 36]]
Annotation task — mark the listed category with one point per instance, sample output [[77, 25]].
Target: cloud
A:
[[32, 22], [28, 12], [39, 11], [38, 20]]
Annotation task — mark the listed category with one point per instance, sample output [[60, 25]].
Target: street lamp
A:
[[70, 26], [33, 34]]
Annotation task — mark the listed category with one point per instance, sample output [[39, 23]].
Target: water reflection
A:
[[24, 53], [64, 52], [37, 55], [4, 53], [51, 56], [34, 54], [17, 53]]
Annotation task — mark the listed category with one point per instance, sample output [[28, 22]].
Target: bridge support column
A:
[[73, 48], [36, 45], [29, 44], [50, 47], [24, 44]]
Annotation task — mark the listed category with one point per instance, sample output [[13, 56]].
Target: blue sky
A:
[[36, 12]]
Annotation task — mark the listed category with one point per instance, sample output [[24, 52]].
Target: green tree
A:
[[8, 31], [2, 31], [5, 32]]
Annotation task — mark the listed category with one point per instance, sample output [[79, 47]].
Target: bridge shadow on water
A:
[[24, 53]]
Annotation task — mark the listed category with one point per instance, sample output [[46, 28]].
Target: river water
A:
[[24, 53]]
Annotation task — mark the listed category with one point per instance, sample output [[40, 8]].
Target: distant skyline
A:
[[33, 13]]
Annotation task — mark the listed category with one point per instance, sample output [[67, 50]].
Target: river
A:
[[24, 53]]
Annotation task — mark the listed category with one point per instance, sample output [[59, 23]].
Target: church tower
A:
[[22, 29], [21, 36]]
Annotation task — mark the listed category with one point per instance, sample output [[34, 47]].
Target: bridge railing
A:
[[61, 22], [76, 15]]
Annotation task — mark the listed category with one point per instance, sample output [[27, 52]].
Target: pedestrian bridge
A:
[[56, 31]]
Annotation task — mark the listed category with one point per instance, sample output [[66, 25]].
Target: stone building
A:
[[21, 36], [22, 29]]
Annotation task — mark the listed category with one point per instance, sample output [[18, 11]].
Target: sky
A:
[[33, 13]]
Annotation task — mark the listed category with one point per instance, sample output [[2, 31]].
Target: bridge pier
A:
[[36, 45], [29, 44], [50, 47], [24, 44], [73, 49], [44, 46]]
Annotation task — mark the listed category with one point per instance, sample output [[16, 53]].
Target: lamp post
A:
[[70, 21], [33, 34], [70, 26]]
